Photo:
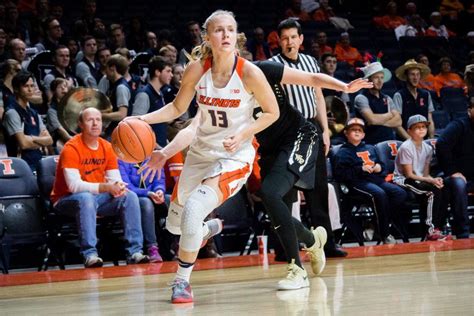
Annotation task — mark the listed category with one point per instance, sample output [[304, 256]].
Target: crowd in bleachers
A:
[[48, 48]]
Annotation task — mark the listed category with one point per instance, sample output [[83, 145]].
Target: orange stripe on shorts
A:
[[226, 178]]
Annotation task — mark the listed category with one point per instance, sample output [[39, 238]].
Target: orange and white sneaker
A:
[[316, 251]]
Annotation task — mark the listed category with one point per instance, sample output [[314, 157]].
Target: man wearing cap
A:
[[411, 100], [376, 108], [358, 166], [412, 171], [447, 78], [455, 153]]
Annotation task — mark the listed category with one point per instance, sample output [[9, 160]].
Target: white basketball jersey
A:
[[225, 112]]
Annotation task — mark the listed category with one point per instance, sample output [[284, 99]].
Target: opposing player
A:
[[221, 155]]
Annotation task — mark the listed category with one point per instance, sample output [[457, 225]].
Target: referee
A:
[[310, 102]]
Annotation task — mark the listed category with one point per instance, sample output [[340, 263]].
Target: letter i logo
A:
[[7, 166]]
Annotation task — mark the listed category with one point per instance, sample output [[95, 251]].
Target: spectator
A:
[[447, 77], [168, 52], [391, 20], [376, 108], [324, 12], [59, 88], [150, 98], [193, 33], [136, 37], [329, 66], [273, 42], [169, 93], [345, 52], [103, 55], [26, 133], [8, 70], [18, 52], [3, 44], [61, 69], [436, 29], [294, 11], [315, 51], [455, 153], [412, 171], [53, 31], [258, 46], [358, 166], [133, 80], [450, 9], [117, 37], [119, 92], [74, 52], [414, 27], [89, 11], [88, 185], [151, 43], [150, 195], [429, 82], [321, 39], [411, 100], [411, 11], [88, 70]]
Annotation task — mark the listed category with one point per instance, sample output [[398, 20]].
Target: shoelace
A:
[[291, 273], [177, 283]]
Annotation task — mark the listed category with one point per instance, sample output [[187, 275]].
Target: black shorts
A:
[[300, 155]]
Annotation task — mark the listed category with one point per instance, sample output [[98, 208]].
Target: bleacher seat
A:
[[453, 100], [21, 213]]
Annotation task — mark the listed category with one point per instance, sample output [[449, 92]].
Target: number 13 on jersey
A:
[[218, 118]]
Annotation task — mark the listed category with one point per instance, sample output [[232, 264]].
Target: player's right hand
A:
[[153, 166]]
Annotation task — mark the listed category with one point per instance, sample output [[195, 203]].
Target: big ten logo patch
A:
[[393, 148], [365, 156], [7, 167], [235, 91]]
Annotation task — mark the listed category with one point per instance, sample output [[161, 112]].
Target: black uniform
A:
[[288, 151]]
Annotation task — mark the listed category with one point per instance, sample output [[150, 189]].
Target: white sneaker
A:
[[93, 261], [138, 258], [316, 251], [296, 278]]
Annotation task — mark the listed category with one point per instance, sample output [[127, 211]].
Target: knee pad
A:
[[173, 220], [200, 204]]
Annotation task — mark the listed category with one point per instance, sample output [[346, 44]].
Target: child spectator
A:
[[358, 166], [150, 194], [412, 171]]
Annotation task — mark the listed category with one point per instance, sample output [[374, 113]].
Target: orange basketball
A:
[[133, 140]]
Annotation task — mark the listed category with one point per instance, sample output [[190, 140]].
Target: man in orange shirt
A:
[[88, 184], [322, 40], [345, 52]]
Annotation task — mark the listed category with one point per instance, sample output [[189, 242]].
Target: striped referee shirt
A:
[[301, 97]]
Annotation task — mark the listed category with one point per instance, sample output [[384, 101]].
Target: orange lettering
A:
[[365, 156], [394, 148], [7, 166]]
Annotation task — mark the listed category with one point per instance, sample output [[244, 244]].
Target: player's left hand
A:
[[358, 84], [232, 143]]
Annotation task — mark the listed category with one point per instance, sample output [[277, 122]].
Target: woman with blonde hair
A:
[[220, 158]]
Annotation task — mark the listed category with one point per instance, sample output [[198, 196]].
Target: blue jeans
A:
[[86, 206], [459, 203], [388, 199], [147, 208]]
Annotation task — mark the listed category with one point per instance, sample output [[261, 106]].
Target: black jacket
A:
[[455, 148]]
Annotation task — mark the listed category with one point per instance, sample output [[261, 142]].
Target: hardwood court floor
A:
[[431, 278]]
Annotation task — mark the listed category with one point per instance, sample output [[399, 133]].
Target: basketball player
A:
[[221, 155], [288, 152]]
